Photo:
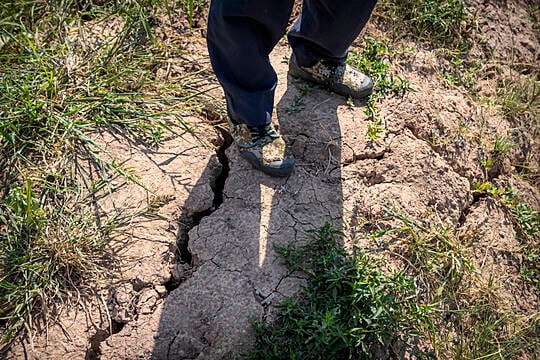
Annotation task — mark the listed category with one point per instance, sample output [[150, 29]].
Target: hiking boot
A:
[[263, 147], [340, 78]]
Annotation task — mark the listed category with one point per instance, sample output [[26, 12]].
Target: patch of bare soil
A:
[[193, 277], [509, 28]]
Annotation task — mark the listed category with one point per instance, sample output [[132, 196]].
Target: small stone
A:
[[161, 290], [147, 301], [120, 303]]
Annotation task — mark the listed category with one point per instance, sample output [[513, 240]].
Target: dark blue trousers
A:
[[242, 33]]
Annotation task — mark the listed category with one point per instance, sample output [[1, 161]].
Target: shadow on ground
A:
[[236, 275]]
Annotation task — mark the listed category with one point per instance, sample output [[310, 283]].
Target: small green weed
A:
[[462, 73], [487, 188], [374, 61], [349, 306], [486, 163], [531, 270], [494, 159], [297, 105], [191, 7], [304, 88], [374, 130]]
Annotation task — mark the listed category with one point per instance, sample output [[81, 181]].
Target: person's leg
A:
[[241, 35], [326, 29], [320, 39]]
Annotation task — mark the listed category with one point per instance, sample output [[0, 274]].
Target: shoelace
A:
[[335, 69], [263, 132]]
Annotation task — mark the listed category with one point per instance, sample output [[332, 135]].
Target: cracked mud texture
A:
[[425, 164], [236, 274]]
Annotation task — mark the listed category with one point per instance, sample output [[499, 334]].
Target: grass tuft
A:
[[526, 222], [446, 23], [520, 99], [349, 308], [468, 318], [46, 250]]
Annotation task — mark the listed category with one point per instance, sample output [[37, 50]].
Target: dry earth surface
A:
[[198, 302]]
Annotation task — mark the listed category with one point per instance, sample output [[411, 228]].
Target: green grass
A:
[[375, 61], [56, 89], [447, 26], [520, 101], [349, 307], [50, 245], [374, 130], [191, 7], [353, 307], [527, 220], [501, 146], [462, 73], [485, 331], [297, 105], [70, 68], [468, 319], [446, 23], [437, 257]]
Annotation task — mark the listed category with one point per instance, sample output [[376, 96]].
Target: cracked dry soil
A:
[[192, 278]]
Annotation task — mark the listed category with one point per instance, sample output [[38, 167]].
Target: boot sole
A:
[[285, 168]]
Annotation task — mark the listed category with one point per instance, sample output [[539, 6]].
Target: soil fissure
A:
[[184, 255], [94, 351]]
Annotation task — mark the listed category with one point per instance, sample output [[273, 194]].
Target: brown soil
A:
[[191, 280]]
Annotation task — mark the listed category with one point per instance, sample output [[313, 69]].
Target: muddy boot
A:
[[263, 147], [340, 78]]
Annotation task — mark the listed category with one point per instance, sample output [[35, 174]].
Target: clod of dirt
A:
[[121, 303]]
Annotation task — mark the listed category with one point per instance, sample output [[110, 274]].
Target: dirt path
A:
[[230, 216]]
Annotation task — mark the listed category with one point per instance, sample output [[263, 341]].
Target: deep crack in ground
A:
[[94, 351], [189, 222]]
